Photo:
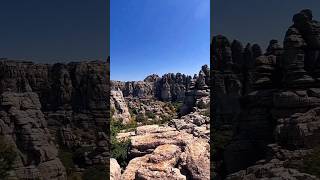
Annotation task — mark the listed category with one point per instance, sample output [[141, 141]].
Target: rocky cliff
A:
[[173, 143], [47, 109], [153, 90], [169, 87], [273, 117]]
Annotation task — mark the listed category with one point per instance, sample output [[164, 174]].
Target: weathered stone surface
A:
[[158, 165], [23, 123], [53, 104], [146, 143], [272, 170], [277, 104], [115, 170], [196, 159], [164, 152], [301, 130], [119, 106], [170, 150]]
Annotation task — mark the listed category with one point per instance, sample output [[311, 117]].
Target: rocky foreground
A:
[[54, 119], [177, 148], [266, 112]]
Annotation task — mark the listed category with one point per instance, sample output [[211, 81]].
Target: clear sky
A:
[[257, 20], [158, 36], [54, 30]]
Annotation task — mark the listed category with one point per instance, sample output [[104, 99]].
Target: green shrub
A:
[[150, 115], [133, 112], [164, 119], [66, 157], [7, 157], [117, 126], [177, 106], [119, 150], [311, 163], [97, 172]]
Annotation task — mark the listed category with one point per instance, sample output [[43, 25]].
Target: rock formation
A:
[[24, 126], [47, 108], [275, 124], [154, 93], [119, 106], [178, 148], [170, 87], [115, 170], [156, 150]]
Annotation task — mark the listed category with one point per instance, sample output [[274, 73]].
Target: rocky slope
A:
[[48, 110], [273, 104], [178, 148]]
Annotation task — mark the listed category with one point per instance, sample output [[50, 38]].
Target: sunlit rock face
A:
[[172, 143]]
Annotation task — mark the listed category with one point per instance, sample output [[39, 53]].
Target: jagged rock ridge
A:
[[274, 103]]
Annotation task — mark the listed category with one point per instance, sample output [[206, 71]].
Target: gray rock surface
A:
[[53, 106], [275, 110], [24, 125]]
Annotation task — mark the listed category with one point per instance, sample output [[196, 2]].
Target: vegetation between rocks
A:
[[221, 139], [7, 158], [97, 172], [66, 157], [311, 163], [119, 149]]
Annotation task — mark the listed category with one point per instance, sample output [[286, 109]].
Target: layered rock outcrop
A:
[[154, 96], [164, 152], [276, 124], [115, 170], [179, 147], [119, 107], [169, 87], [49, 107], [24, 126]]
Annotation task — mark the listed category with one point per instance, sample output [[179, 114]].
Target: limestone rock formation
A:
[[154, 95], [275, 126], [115, 170], [173, 134], [23, 124], [169, 87], [157, 150], [48, 108], [119, 106], [158, 165]]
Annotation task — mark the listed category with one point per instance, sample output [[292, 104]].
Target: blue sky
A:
[[257, 20], [149, 36], [56, 30]]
